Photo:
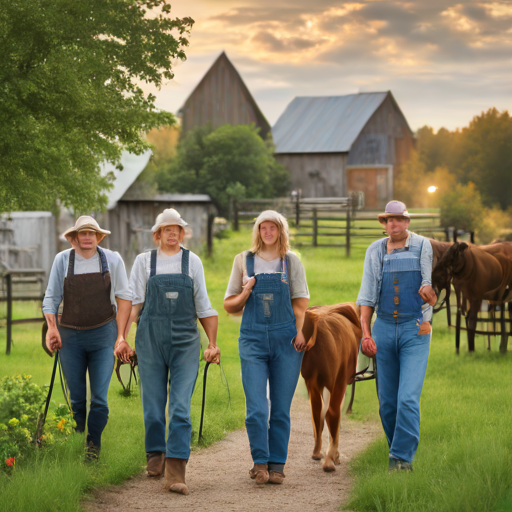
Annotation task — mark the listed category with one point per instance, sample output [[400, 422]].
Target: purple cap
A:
[[394, 209]]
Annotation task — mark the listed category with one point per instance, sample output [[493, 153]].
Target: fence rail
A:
[[330, 222]]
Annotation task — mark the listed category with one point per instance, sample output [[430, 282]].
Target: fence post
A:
[[8, 279], [297, 210], [209, 234], [347, 229], [235, 215], [315, 228]]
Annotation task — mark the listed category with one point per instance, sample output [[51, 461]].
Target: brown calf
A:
[[332, 334]]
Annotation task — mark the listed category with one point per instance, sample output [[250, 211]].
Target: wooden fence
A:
[[331, 222]]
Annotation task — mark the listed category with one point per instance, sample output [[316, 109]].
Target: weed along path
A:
[[218, 476]]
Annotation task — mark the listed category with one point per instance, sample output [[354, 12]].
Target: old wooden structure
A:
[[222, 97], [334, 146]]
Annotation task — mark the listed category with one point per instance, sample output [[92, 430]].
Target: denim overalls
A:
[[168, 347], [402, 353], [267, 354]]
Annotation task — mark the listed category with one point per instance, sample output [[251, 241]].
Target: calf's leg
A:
[[315, 399], [333, 418]]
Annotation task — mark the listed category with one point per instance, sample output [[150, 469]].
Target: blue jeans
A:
[[91, 350], [267, 354], [402, 356]]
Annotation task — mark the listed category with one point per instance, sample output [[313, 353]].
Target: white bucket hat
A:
[[169, 217], [82, 223]]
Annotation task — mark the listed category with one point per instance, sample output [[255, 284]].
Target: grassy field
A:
[[463, 463]]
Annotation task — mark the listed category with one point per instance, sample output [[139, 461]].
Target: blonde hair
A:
[[283, 239]]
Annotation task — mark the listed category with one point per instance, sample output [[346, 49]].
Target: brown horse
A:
[[332, 334], [477, 273]]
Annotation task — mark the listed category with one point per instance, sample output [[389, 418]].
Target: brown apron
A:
[[87, 302]]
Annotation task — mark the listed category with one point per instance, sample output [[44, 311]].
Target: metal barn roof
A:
[[324, 124]]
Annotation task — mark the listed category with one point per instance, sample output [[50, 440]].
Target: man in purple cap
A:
[[397, 284]]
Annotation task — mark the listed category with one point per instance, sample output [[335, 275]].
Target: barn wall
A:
[[317, 174], [222, 98], [28, 240], [131, 221], [385, 140]]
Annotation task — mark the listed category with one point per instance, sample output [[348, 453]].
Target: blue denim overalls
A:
[[267, 354], [402, 353], [168, 347]]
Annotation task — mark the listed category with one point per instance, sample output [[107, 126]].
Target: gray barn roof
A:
[[324, 124]]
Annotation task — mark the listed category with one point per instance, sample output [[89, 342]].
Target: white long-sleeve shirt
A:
[[171, 265]]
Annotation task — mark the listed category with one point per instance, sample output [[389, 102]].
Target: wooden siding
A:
[[385, 140], [222, 98], [316, 174]]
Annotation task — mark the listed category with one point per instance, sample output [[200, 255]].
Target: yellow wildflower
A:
[[61, 423], [13, 422]]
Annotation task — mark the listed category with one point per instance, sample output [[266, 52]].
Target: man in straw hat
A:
[[93, 284], [397, 284], [169, 284]]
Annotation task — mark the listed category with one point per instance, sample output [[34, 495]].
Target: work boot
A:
[[92, 452], [275, 477], [259, 472], [175, 475], [155, 465]]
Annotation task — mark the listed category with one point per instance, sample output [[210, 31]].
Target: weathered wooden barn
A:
[[222, 97], [335, 145]]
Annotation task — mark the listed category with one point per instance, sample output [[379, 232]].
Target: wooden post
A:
[[448, 308], [457, 330], [209, 234], [8, 281], [235, 215], [297, 210], [504, 330], [315, 228], [347, 230], [472, 237]]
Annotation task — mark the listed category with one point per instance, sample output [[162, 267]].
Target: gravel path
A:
[[219, 482]]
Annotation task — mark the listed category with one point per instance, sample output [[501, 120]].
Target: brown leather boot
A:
[[259, 472], [155, 465], [175, 475], [275, 477]]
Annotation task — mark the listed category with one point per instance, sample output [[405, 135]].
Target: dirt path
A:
[[218, 476]]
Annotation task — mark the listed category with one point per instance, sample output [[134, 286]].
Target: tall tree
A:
[[70, 93], [225, 163]]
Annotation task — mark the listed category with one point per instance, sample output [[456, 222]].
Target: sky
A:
[[444, 61]]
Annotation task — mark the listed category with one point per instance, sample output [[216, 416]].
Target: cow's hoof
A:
[[329, 466], [337, 459], [316, 456]]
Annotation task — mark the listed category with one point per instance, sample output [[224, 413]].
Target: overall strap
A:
[[71, 263], [250, 264], [103, 260], [185, 261], [152, 272]]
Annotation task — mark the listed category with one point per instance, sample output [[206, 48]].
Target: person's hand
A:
[[250, 284], [425, 328], [53, 340], [212, 355], [122, 350], [300, 342], [368, 346], [428, 294]]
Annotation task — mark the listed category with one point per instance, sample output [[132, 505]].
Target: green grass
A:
[[464, 459]]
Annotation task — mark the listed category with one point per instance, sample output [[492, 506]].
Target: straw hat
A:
[[169, 217], [82, 223], [394, 209]]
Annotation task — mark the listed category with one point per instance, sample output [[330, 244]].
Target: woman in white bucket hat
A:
[[169, 284], [92, 283], [268, 283]]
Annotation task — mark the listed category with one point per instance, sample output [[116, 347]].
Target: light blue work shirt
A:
[[54, 292], [369, 293]]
